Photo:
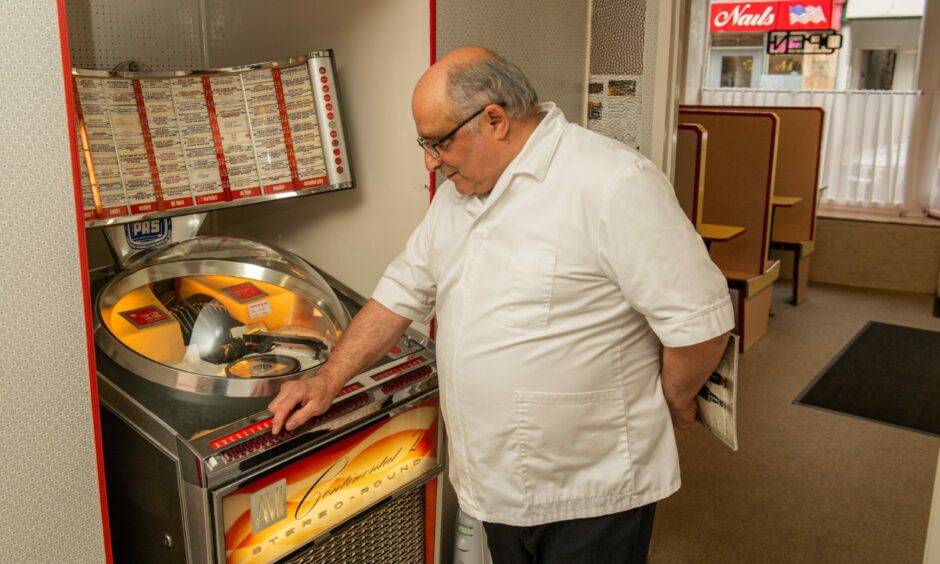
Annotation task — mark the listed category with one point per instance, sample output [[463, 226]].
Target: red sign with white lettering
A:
[[146, 316], [783, 15], [244, 292]]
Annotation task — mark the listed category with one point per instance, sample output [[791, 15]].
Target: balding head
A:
[[467, 78], [475, 110]]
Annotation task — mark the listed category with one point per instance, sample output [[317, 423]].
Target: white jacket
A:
[[552, 297]]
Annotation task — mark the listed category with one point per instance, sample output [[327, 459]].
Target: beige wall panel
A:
[[547, 39], [49, 503], [381, 49], [877, 255]]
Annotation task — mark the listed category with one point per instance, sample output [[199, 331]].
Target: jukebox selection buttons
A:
[[420, 374], [267, 440], [241, 434], [399, 369]]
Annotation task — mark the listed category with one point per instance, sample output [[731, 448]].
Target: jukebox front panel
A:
[[286, 509]]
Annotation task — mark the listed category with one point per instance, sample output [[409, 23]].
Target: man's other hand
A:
[[313, 396]]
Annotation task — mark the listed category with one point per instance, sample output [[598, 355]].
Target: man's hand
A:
[[685, 370], [684, 418], [313, 395], [369, 336]]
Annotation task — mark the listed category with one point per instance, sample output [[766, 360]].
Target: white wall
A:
[[547, 39], [49, 504], [381, 49]]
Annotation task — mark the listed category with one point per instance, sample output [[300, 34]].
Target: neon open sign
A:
[[803, 42]]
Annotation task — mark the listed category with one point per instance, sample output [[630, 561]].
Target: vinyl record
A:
[[263, 366]]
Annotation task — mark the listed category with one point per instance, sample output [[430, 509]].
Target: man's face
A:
[[466, 157]]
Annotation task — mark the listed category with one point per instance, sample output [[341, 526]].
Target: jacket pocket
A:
[[532, 275], [572, 446]]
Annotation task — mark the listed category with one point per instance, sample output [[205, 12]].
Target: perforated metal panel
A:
[[393, 534], [623, 70], [165, 35], [546, 39], [49, 503]]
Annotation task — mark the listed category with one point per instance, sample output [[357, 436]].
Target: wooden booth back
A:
[[798, 159], [689, 181], [740, 165]]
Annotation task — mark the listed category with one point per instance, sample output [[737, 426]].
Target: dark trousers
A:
[[620, 538]]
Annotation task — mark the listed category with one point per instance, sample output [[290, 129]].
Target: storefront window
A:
[[740, 60], [813, 44], [736, 71]]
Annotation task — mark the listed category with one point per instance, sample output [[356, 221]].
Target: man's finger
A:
[[282, 405], [301, 416]]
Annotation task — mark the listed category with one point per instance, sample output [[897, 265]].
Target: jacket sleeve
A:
[[650, 249]]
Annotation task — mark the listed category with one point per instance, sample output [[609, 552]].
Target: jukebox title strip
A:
[[170, 143]]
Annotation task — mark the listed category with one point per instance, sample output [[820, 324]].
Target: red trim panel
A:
[[288, 137], [430, 519], [83, 272], [217, 141], [151, 154]]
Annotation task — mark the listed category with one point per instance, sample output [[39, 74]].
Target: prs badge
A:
[[149, 234]]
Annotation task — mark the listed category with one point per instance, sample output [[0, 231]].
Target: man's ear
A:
[[496, 120]]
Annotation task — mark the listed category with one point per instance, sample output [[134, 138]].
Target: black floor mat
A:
[[887, 373]]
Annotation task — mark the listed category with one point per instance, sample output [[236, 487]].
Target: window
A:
[[877, 69], [736, 71], [785, 64]]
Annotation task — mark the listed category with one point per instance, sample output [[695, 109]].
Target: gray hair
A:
[[472, 86]]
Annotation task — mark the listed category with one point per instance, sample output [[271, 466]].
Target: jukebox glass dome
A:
[[220, 316]]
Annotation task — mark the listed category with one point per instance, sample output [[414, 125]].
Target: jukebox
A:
[[195, 335], [193, 341]]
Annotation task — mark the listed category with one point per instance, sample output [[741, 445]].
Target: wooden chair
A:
[[739, 175], [798, 160]]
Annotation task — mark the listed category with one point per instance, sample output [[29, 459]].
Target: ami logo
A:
[[268, 506], [148, 234]]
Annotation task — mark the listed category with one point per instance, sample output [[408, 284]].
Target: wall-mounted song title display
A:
[[153, 143]]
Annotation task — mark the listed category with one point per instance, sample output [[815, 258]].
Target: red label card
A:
[[146, 316], [245, 292]]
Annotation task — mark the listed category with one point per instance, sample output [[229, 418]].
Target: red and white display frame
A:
[[156, 144]]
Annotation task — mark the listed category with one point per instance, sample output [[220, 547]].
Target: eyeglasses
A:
[[431, 146]]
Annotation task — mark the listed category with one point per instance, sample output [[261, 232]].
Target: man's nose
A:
[[431, 162]]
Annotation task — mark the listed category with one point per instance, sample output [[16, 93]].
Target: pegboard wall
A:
[[164, 35], [546, 39], [623, 70], [49, 503]]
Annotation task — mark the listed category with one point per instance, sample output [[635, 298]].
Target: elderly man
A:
[[577, 311]]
